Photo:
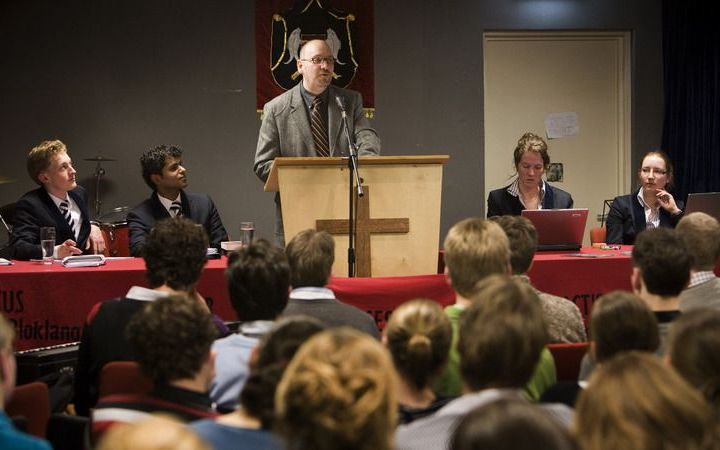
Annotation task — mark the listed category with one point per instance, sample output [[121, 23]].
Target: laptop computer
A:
[[707, 202], [558, 229]]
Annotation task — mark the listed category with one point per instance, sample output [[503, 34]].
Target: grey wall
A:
[[116, 77]]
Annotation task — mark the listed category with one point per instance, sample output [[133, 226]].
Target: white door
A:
[[529, 75]]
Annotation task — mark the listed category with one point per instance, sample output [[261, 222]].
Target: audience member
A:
[[249, 426], [510, 424], [693, 351], [621, 322], [338, 392], [418, 336], [701, 234], [154, 433], [174, 259], [501, 335], [59, 202], [163, 172], [10, 438], [171, 338], [474, 250], [634, 402], [311, 255], [661, 270], [258, 279], [563, 317]]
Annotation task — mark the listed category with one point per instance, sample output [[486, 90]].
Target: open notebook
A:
[[558, 229]]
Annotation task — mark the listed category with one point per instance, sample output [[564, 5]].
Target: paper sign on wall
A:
[[560, 125]]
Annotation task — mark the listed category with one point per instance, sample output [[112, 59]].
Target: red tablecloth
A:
[[48, 304]]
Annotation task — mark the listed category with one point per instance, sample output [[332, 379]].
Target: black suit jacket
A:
[[197, 207], [36, 209], [501, 203], [627, 218]]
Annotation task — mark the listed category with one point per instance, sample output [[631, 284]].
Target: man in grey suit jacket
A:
[[286, 125], [163, 171], [701, 233]]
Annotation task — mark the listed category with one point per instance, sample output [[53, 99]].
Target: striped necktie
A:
[[176, 209], [319, 130], [65, 211]]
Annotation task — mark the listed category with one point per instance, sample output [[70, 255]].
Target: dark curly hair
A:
[[171, 338], [153, 161], [276, 350], [175, 253]]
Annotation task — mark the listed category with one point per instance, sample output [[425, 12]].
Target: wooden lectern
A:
[[398, 224]]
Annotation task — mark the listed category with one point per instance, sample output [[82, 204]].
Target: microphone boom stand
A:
[[353, 177]]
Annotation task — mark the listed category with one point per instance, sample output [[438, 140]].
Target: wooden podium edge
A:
[[272, 185]]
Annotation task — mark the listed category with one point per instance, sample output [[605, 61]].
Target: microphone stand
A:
[[354, 177]]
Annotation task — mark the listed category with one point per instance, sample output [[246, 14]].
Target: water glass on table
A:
[[247, 232], [47, 242]]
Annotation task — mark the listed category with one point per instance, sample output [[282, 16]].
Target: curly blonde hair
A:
[[338, 392]]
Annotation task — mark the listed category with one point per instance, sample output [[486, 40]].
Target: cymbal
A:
[[5, 180], [99, 159]]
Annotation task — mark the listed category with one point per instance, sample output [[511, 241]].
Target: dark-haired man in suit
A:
[[59, 202], [307, 120], [163, 171]]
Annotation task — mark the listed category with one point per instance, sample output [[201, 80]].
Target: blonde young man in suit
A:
[[286, 125], [58, 196]]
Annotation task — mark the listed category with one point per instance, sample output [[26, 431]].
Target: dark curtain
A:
[[691, 128]]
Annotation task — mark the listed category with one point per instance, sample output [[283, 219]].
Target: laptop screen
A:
[[558, 229], [707, 202]]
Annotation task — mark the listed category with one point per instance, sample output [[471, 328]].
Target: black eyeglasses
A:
[[317, 60]]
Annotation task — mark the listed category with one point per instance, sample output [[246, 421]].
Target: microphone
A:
[[339, 101]]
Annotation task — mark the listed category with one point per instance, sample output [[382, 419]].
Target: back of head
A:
[[175, 253], [633, 401], [510, 424], [155, 433], [40, 157], [276, 350], [153, 161], [621, 321], [663, 260], [338, 392], [693, 343], [531, 142], [701, 233], [474, 249], [501, 335], [171, 338], [418, 336], [311, 255], [523, 238], [7, 378], [258, 278]]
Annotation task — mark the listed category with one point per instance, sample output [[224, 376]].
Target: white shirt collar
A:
[[514, 190], [312, 293], [168, 203]]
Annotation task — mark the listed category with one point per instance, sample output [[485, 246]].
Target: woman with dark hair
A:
[[249, 427], [529, 190], [418, 336], [651, 206]]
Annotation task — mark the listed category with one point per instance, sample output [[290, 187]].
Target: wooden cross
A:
[[365, 227]]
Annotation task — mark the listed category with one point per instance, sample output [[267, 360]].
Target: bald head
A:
[[316, 66]]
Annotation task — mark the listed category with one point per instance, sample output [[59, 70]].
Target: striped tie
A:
[[65, 211], [176, 209], [319, 130]]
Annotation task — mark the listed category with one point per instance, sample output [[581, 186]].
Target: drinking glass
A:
[[47, 242], [247, 232]]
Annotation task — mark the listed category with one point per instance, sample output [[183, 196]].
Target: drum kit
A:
[[113, 223]]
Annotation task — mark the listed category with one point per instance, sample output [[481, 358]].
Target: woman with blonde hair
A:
[[418, 336], [338, 392], [635, 402]]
